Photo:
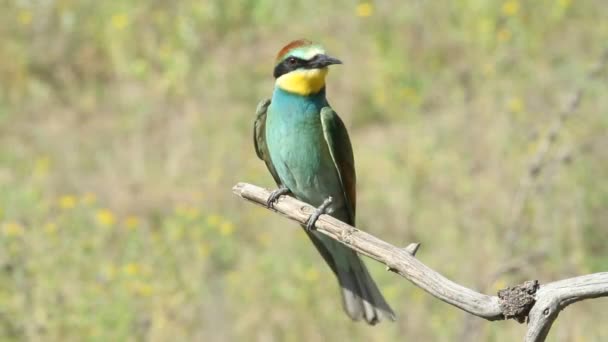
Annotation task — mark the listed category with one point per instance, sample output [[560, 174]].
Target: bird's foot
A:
[[322, 209], [274, 195]]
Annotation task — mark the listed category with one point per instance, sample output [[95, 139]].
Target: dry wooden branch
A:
[[539, 305]]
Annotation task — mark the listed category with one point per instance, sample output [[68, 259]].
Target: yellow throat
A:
[[303, 82]]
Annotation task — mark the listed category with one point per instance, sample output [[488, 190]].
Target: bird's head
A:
[[301, 67]]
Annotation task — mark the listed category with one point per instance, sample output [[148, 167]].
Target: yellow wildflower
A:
[[380, 97], [214, 220], [192, 213], [515, 105], [50, 228], [564, 3], [364, 9], [105, 217], [141, 289], [41, 166], [311, 274], [226, 228], [510, 8], [12, 229], [499, 284], [131, 269], [25, 17], [67, 202], [131, 222], [119, 21]]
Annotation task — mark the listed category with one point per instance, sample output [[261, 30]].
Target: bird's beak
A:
[[321, 61]]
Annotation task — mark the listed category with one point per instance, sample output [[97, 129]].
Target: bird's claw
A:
[[322, 209], [275, 194]]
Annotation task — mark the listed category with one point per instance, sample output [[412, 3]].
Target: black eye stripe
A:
[[286, 66], [293, 63]]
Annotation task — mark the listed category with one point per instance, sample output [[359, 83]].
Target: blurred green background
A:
[[124, 125]]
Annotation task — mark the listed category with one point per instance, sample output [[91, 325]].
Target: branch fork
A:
[[538, 305]]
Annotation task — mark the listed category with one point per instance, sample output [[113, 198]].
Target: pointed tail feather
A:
[[360, 295]]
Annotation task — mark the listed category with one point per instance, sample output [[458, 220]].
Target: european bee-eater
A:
[[307, 150]]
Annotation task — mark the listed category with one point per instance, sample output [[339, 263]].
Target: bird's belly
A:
[[305, 166]]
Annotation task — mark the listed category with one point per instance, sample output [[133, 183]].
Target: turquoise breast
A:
[[298, 150]]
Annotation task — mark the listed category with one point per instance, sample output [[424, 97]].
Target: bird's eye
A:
[[292, 61]]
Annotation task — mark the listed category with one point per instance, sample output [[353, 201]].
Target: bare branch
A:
[[540, 304], [554, 297], [412, 248], [396, 259]]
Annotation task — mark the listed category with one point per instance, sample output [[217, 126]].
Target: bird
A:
[[307, 150]]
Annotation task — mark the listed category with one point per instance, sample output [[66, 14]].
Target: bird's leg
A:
[[322, 209], [274, 195]]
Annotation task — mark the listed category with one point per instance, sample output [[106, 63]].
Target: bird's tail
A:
[[360, 294]]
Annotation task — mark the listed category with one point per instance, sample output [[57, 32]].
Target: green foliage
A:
[[123, 125]]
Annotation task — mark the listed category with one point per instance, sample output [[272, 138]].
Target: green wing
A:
[[341, 151], [259, 138]]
